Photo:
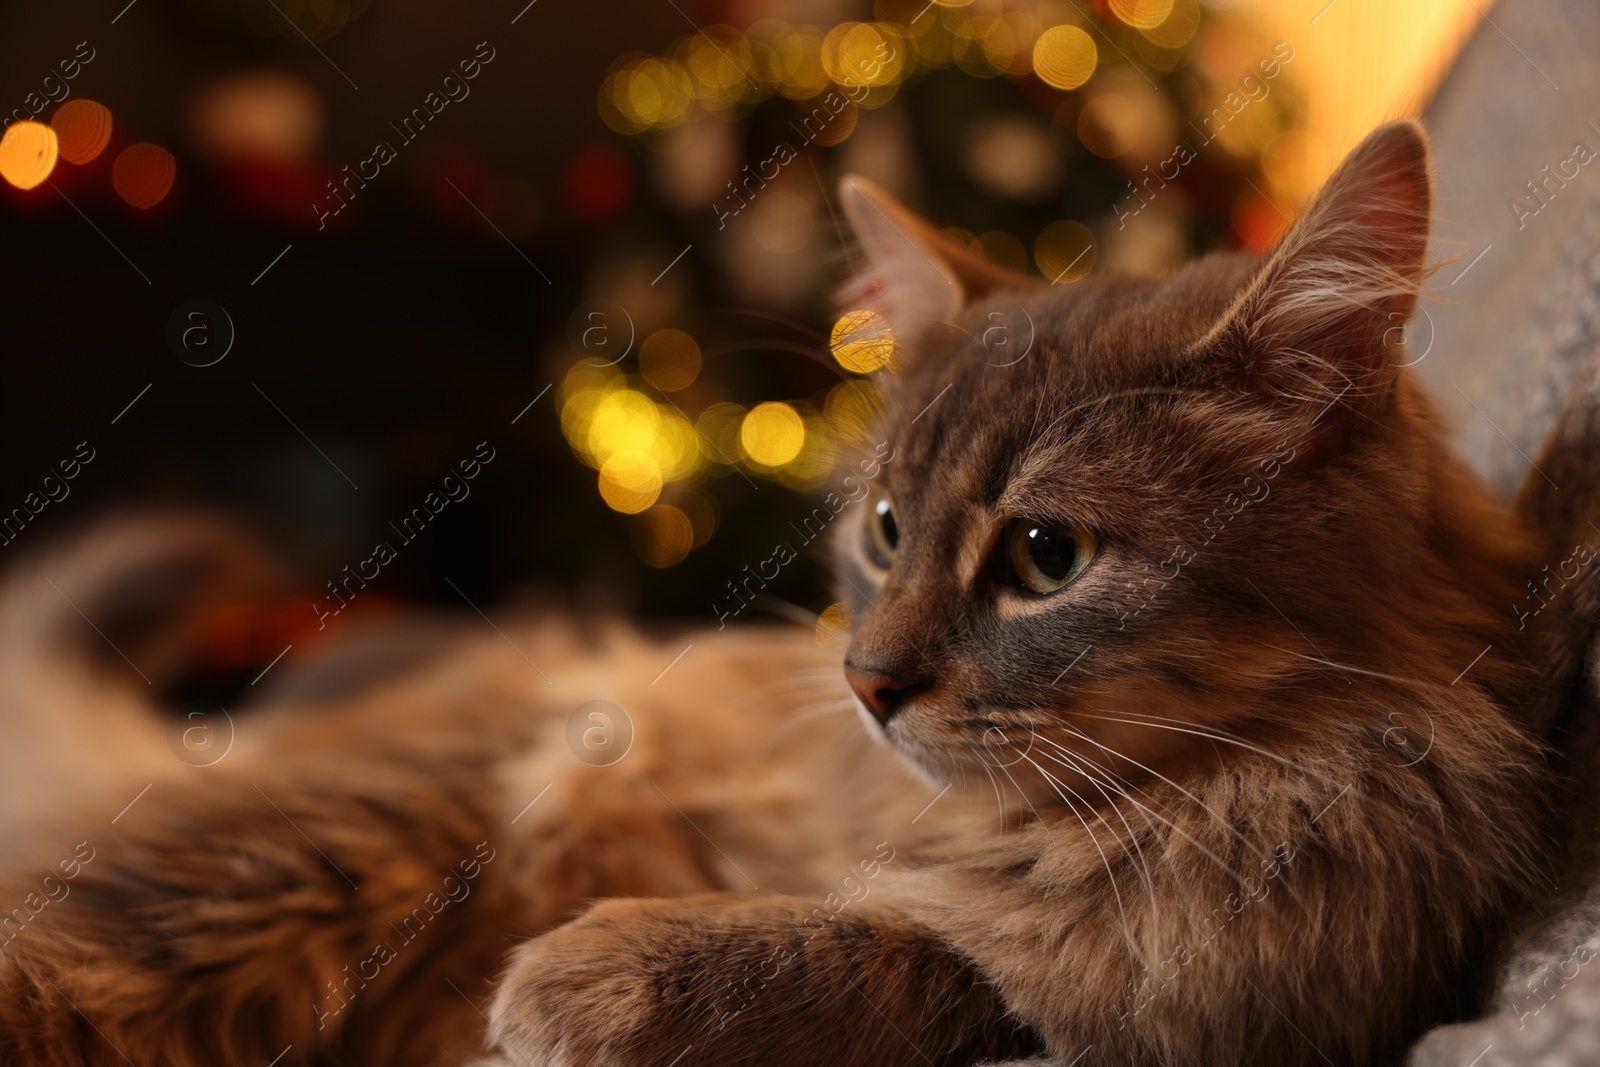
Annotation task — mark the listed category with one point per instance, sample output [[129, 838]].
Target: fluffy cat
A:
[[1191, 631]]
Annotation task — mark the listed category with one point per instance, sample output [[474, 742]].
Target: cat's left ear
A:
[[1319, 325], [911, 274]]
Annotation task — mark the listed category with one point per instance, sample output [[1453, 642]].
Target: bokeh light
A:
[[853, 407], [630, 482], [1179, 27], [1064, 56], [772, 434], [143, 174], [816, 458], [1065, 251], [669, 360], [1142, 14], [27, 153], [83, 127], [268, 115], [782, 222], [1109, 125], [862, 341], [833, 625], [662, 535], [606, 415], [718, 427], [864, 54]]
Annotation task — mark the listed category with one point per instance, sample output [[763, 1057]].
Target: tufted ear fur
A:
[[913, 276], [1319, 325]]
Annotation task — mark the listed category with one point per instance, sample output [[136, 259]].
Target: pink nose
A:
[[881, 693]]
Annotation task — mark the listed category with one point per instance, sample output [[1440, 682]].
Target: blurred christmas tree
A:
[[1058, 137]]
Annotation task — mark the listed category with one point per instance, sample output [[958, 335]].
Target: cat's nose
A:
[[882, 693]]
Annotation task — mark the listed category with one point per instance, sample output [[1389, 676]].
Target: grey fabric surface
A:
[[1513, 356], [1512, 329]]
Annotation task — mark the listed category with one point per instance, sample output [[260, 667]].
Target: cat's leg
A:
[[725, 980]]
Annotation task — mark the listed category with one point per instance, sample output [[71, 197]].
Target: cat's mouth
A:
[[942, 749]]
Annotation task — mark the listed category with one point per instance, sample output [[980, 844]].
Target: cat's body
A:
[[1186, 621]]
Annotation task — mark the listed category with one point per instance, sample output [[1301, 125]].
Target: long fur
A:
[[1247, 791]]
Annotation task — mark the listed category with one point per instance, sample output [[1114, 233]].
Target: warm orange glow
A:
[[27, 154], [260, 115], [143, 174], [83, 127], [1065, 56], [1358, 63]]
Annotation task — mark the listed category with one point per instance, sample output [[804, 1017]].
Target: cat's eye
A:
[[1046, 558], [882, 535]]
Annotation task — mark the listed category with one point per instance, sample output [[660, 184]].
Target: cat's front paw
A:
[[601, 991]]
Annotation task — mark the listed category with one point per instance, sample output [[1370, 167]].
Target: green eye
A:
[[882, 535], [1047, 558]]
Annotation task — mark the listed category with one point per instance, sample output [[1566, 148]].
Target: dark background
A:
[[410, 329]]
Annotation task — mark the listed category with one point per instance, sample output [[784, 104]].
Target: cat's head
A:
[[1122, 506]]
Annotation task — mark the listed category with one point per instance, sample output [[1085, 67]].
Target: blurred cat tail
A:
[[96, 631]]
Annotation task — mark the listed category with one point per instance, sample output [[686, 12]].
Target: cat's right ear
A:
[[909, 273]]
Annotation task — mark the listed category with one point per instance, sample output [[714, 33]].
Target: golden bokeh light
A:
[[833, 625], [772, 434], [1065, 251], [719, 60], [718, 427], [1109, 125], [630, 482], [862, 341], [676, 447], [864, 54], [797, 63], [853, 408], [83, 127], [1142, 14], [1009, 44], [782, 222], [143, 174], [643, 92], [27, 154], [669, 360], [604, 415], [812, 465], [624, 420], [1179, 27], [1064, 56], [661, 535]]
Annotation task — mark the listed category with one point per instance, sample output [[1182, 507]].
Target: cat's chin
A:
[[928, 776]]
